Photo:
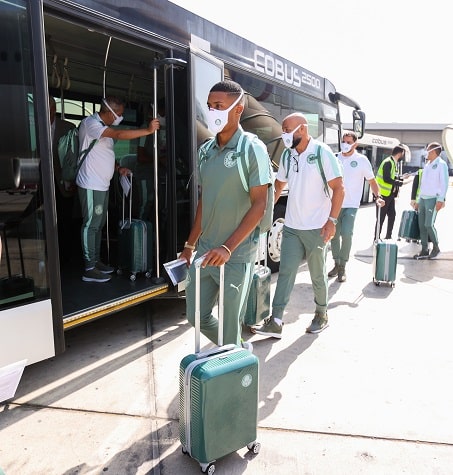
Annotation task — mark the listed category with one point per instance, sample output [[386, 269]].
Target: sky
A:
[[391, 56]]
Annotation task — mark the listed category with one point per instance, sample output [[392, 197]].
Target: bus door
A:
[[205, 72], [28, 328]]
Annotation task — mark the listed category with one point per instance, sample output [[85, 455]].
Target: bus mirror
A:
[[358, 122]]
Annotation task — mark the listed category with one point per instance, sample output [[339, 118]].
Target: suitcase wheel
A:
[[119, 271], [133, 277], [208, 468], [148, 274], [254, 447]]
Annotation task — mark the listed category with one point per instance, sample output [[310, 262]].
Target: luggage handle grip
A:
[[197, 264]]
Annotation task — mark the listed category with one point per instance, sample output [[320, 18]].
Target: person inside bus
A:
[[389, 180], [356, 169], [64, 192], [430, 199], [316, 191], [227, 217], [93, 179]]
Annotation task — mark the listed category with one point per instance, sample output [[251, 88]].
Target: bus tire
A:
[[273, 260]]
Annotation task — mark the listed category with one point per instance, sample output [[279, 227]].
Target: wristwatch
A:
[[334, 220]]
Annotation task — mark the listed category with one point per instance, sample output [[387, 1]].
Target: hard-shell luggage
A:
[[409, 228], [385, 257], [259, 299], [135, 242], [218, 395]]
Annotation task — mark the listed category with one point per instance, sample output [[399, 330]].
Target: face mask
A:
[[118, 119], [288, 138], [217, 119], [431, 149], [346, 147]]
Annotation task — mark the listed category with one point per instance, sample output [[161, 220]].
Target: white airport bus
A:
[[145, 52]]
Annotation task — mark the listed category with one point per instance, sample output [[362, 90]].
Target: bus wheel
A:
[[274, 238]]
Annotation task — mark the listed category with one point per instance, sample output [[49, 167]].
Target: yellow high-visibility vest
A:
[[384, 187]]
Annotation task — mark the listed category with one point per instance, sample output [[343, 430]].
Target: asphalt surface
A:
[[372, 394]]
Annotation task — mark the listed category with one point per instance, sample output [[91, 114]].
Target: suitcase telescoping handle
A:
[[128, 177], [378, 223], [197, 264]]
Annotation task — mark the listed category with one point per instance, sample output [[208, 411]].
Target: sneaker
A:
[[333, 272], [247, 345], [318, 324], [269, 328], [105, 269], [434, 253], [94, 275], [422, 255], [341, 274]]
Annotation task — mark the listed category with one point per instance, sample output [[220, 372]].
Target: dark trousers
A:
[[387, 210]]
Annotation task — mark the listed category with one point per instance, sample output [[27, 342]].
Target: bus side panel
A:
[[26, 333]]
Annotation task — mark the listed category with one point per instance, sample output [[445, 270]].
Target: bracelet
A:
[[226, 249], [189, 246]]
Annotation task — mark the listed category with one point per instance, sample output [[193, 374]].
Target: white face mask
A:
[[346, 147], [118, 119], [288, 137], [217, 119]]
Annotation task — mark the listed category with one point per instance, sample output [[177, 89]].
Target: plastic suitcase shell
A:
[[135, 242], [385, 256], [135, 247], [218, 403], [259, 299], [218, 395], [409, 228]]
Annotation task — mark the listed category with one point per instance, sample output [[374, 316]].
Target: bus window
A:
[[23, 274]]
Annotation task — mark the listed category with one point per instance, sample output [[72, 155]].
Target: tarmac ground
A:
[[372, 394]]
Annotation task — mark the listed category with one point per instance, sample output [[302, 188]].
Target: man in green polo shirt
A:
[[226, 222]]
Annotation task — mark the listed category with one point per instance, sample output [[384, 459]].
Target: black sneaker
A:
[[434, 253], [333, 272], [421, 255], [105, 269], [93, 275]]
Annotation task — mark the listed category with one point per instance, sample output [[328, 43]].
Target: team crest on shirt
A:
[[354, 163], [434, 166], [311, 159], [98, 210], [230, 159]]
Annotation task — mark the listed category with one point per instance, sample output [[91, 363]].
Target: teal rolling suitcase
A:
[[259, 298], [135, 243], [218, 396], [385, 257], [409, 228]]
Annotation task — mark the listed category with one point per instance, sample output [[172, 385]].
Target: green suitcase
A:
[[218, 397], [259, 298], [385, 257], [135, 242]]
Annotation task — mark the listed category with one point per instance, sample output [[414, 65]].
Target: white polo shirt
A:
[[308, 206], [98, 167], [434, 182], [356, 168]]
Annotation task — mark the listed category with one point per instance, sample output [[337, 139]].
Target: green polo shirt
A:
[[224, 199]]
